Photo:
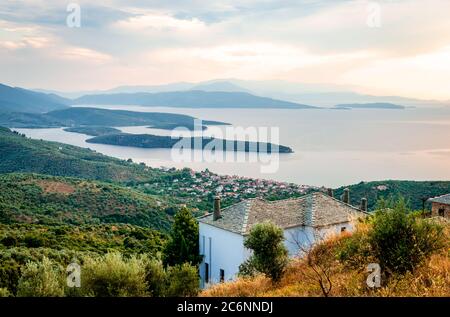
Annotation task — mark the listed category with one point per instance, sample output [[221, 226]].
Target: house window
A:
[[222, 276], [206, 273], [343, 229], [441, 212]]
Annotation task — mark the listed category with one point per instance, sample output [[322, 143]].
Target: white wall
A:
[[300, 239], [222, 250], [225, 250]]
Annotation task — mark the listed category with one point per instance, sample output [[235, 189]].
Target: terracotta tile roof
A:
[[444, 199], [313, 210]]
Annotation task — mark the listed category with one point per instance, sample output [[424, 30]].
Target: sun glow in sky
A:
[[406, 51]]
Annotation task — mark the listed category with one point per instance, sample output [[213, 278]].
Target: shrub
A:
[[155, 277], [9, 241], [355, 250], [182, 281], [401, 241], [111, 275], [9, 275], [4, 292], [41, 279], [32, 241], [269, 253]]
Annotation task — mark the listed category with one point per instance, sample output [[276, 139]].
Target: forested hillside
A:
[[413, 191], [42, 199], [21, 154]]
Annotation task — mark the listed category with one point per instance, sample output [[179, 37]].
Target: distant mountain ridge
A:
[[190, 99], [13, 99], [316, 94]]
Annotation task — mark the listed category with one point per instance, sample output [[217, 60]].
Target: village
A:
[[198, 188]]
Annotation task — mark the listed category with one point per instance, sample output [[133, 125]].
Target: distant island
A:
[[167, 142], [93, 131], [373, 105]]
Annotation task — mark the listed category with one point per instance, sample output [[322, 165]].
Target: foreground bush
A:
[[41, 279], [400, 240], [112, 275], [4, 292], [182, 280]]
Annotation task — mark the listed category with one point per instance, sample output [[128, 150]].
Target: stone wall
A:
[[435, 207]]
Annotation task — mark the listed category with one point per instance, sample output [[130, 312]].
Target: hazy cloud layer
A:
[[152, 42]]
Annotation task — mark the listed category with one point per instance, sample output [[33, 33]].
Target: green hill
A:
[[33, 198], [21, 154], [82, 117], [413, 191]]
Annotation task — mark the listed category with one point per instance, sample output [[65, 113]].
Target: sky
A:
[[386, 47]]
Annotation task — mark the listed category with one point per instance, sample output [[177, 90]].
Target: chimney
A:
[[216, 214], [330, 192], [363, 204], [346, 197]]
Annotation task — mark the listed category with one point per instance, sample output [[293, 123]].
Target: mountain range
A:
[[321, 95], [190, 99], [13, 99]]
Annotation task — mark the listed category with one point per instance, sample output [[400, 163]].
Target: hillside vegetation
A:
[[412, 191], [23, 243], [21, 154], [83, 116], [33, 198]]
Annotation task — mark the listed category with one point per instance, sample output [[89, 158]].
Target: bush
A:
[[155, 277], [9, 275], [355, 250], [182, 281], [4, 292], [269, 253], [113, 276], [9, 241], [32, 241], [41, 279], [402, 241]]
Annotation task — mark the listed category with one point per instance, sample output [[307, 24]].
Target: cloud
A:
[[156, 41]]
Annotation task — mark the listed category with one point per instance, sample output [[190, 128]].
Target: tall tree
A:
[[183, 245]]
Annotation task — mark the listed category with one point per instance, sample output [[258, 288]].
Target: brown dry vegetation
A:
[[49, 187], [301, 277]]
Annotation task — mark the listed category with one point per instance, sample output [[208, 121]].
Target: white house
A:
[[304, 220]]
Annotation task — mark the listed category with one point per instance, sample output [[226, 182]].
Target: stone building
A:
[[440, 206]]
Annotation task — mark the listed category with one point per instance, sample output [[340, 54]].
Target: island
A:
[[373, 105], [167, 142], [93, 130]]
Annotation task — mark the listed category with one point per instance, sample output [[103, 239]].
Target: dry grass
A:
[[300, 278]]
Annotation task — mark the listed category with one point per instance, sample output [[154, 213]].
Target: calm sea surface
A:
[[332, 147]]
